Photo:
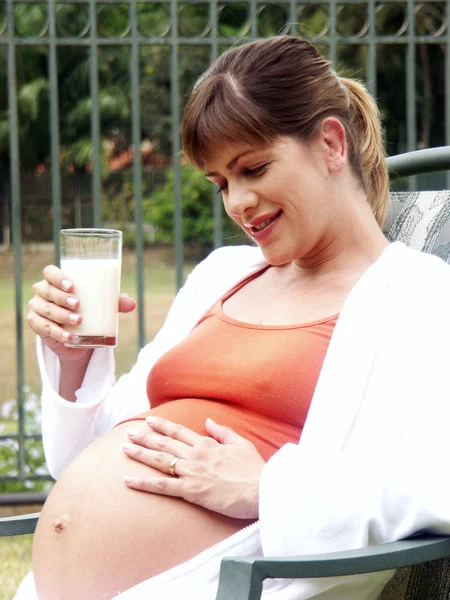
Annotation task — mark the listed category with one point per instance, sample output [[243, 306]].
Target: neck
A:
[[353, 244]]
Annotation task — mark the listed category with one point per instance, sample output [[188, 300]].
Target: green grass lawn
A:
[[159, 276], [15, 555], [15, 563]]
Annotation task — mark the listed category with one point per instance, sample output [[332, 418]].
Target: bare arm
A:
[[72, 375]]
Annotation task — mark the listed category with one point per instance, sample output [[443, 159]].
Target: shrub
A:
[[197, 206], [34, 452]]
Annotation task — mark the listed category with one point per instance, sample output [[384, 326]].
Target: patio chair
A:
[[421, 220]]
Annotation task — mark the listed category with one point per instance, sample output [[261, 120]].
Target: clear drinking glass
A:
[[91, 259]]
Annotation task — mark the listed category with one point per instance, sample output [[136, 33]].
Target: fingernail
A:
[[72, 302], [133, 432], [128, 447], [66, 335], [74, 318], [151, 420], [66, 284], [128, 479]]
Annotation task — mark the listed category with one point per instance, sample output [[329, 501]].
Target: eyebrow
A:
[[231, 164]]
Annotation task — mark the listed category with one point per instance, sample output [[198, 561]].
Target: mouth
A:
[[263, 224]]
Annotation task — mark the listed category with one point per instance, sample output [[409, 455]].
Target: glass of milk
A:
[[91, 259]]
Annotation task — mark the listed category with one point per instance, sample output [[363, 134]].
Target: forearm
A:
[[72, 375]]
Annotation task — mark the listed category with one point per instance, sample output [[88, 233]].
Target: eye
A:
[[222, 188], [257, 171]]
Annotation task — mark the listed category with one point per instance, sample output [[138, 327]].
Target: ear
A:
[[332, 133]]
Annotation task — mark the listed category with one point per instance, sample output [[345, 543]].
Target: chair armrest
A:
[[242, 578], [420, 161], [19, 525]]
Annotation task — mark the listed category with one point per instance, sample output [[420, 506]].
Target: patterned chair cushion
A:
[[421, 220]]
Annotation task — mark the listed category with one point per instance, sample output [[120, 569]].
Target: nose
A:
[[239, 200]]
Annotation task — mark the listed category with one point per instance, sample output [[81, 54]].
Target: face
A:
[[278, 193]]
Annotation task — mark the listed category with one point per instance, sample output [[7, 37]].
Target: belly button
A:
[[60, 525]]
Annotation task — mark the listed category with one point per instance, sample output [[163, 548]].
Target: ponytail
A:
[[367, 147]]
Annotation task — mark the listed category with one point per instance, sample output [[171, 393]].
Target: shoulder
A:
[[416, 268], [419, 284]]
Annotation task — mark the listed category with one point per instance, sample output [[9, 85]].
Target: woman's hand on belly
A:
[[220, 472]]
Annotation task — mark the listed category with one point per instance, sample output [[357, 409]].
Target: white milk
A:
[[96, 283]]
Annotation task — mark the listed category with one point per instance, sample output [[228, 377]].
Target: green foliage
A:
[[30, 97], [197, 205], [34, 452], [155, 69]]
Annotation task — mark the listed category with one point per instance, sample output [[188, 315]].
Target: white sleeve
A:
[[68, 427], [346, 502]]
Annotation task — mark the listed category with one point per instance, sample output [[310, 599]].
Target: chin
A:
[[277, 259]]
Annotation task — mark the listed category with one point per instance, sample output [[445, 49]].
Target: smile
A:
[[260, 226], [264, 224]]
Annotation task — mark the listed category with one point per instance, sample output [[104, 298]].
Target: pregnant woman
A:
[[290, 340]]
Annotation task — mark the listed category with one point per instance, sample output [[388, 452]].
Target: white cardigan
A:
[[371, 463]]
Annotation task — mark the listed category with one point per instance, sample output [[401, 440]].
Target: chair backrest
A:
[[422, 221], [426, 581]]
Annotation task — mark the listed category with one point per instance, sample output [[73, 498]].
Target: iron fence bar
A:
[[15, 436], [253, 19], [95, 118], [25, 477], [137, 171], [411, 116], [224, 41], [16, 226], [216, 199], [25, 498], [176, 146], [54, 131], [447, 87], [372, 57], [332, 41], [122, 2]]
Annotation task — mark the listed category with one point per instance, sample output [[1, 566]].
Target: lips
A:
[[259, 224]]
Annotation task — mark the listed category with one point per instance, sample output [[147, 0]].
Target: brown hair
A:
[[282, 86]]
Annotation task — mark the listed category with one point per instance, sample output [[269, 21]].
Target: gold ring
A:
[[173, 464]]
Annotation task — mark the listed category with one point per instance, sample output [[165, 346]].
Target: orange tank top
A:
[[257, 379]]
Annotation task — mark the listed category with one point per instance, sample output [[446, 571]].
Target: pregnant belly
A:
[[96, 537]]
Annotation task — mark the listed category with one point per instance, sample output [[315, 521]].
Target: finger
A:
[[168, 486], [174, 430], [45, 328], [53, 312], [126, 304], [47, 291], [158, 460], [157, 442], [57, 278], [222, 434]]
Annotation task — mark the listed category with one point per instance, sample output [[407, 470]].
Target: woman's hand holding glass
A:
[[53, 307], [220, 472]]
